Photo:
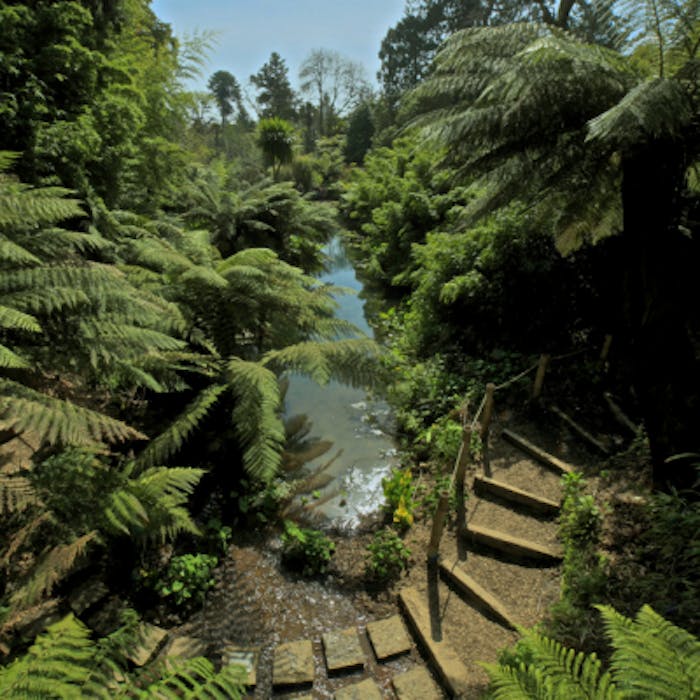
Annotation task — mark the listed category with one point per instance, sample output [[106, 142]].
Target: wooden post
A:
[[460, 472], [464, 455], [605, 351], [539, 377], [488, 412], [438, 525]]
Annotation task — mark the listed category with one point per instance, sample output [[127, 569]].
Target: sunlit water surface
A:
[[357, 426]]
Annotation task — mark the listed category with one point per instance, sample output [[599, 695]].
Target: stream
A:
[[358, 428]]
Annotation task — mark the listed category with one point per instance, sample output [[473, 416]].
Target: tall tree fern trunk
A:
[[657, 305]]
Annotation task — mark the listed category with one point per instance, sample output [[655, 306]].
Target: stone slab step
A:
[[449, 667], [516, 495], [184, 647], [247, 657], [151, 640], [454, 573], [538, 453], [389, 637], [293, 664], [416, 684], [343, 651], [365, 690], [509, 544]]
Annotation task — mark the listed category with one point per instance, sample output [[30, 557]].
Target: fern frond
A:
[[58, 299], [16, 494], [556, 672], [655, 109], [12, 318], [51, 568], [523, 683], [173, 437], [353, 361], [125, 512], [56, 243], [652, 657], [54, 421], [56, 665], [23, 535], [256, 417], [13, 254], [151, 505], [195, 678], [11, 359]]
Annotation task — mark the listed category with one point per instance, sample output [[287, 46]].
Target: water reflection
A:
[[356, 426]]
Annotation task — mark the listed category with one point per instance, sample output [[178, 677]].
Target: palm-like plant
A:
[[598, 146], [249, 318]]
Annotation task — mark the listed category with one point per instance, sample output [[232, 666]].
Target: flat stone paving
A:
[[343, 650], [293, 664], [184, 647], [243, 656], [389, 637], [152, 639], [366, 690], [416, 684]]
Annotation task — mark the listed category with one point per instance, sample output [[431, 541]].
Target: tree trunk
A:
[[656, 308]]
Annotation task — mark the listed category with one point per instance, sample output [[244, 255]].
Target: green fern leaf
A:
[[56, 421], [12, 318], [353, 361], [652, 657], [16, 494], [52, 567], [56, 665], [256, 417], [11, 359]]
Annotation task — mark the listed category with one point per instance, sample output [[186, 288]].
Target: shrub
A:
[[187, 579], [388, 556], [398, 494], [307, 550]]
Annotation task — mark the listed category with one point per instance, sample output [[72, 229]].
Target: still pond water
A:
[[362, 451]]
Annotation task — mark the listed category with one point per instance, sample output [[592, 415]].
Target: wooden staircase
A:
[[508, 548]]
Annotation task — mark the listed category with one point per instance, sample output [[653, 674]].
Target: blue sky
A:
[[249, 30]]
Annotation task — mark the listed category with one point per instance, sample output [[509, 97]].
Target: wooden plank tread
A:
[[454, 573], [511, 545], [512, 493], [450, 669], [537, 452]]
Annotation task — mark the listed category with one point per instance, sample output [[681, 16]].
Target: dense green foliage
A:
[[306, 550]]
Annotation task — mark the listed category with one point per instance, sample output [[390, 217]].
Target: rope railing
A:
[[483, 415]]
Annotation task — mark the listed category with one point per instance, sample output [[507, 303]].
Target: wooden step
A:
[[449, 667], [538, 453], [509, 544], [580, 430], [454, 574], [516, 495]]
